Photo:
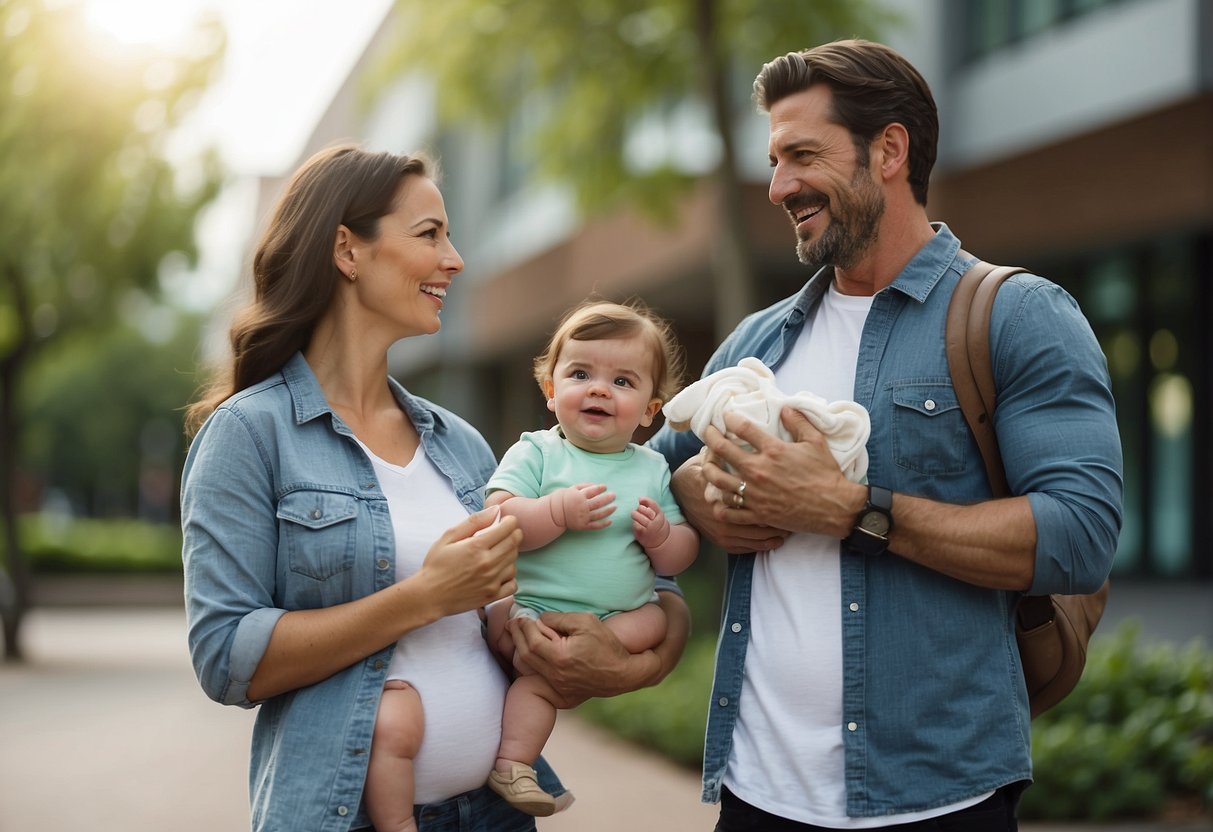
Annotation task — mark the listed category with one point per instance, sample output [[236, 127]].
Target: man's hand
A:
[[736, 531], [797, 486], [579, 657]]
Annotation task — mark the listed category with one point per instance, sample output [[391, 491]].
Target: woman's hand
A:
[[471, 564], [462, 571]]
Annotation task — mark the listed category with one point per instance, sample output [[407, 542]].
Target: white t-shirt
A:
[[787, 756], [462, 689]]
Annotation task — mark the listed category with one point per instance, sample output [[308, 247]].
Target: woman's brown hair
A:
[[294, 273]]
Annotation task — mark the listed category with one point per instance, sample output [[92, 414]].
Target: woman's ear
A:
[[343, 253]]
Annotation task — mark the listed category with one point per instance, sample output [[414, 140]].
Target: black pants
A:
[[997, 813]]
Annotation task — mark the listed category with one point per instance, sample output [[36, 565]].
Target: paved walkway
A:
[[105, 728]]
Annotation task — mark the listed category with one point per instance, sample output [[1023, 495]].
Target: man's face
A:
[[822, 181]]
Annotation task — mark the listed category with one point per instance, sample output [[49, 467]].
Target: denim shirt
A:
[[934, 704], [281, 510]]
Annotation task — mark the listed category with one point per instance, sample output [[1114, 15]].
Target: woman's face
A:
[[403, 276]]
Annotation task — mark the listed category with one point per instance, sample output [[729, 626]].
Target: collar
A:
[[916, 281], [310, 403]]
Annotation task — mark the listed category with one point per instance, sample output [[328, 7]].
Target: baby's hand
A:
[[649, 524], [584, 506]]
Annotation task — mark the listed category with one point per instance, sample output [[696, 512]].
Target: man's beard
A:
[[853, 227]]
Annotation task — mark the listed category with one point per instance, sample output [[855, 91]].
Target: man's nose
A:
[[783, 185]]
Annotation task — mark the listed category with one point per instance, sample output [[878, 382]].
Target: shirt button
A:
[[929, 404], [382, 563], [736, 627], [343, 810], [723, 701], [851, 726], [854, 607], [316, 515], [378, 664], [369, 485]]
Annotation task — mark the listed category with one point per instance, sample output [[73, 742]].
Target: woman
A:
[[333, 524]]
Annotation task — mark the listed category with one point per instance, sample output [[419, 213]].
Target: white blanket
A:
[[749, 390]]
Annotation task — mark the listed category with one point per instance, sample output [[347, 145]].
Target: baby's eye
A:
[[580, 375], [623, 381]]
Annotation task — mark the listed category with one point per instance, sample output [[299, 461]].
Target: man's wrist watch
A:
[[871, 533]]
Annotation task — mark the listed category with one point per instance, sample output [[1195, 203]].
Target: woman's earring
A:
[[353, 275]]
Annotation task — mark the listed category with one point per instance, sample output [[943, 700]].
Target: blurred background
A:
[[609, 147]]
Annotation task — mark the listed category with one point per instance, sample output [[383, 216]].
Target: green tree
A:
[[584, 74], [89, 203], [118, 394]]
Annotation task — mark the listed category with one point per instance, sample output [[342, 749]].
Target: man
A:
[[869, 677]]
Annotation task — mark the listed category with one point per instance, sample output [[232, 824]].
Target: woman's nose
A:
[[452, 263]]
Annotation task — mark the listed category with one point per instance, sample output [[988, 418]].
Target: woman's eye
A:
[[431, 233]]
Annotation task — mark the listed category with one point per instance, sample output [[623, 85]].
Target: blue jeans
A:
[[996, 813], [476, 811]]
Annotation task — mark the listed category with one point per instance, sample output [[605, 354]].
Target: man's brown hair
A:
[[872, 87]]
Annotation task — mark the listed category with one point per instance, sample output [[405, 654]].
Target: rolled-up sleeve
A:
[[229, 551], [1056, 425]]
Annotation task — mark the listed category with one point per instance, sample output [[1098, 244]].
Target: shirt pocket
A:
[[929, 430], [318, 532]]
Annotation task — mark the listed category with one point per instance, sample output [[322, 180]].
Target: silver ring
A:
[[741, 490], [738, 501]]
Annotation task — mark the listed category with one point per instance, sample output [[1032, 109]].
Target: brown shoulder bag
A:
[[1052, 630]]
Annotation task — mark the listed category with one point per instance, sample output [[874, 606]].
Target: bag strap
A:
[[967, 339]]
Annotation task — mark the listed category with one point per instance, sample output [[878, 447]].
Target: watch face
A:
[[874, 522]]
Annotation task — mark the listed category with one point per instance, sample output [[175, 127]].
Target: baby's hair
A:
[[598, 320]]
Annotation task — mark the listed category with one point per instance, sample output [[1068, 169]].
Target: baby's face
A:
[[602, 391]]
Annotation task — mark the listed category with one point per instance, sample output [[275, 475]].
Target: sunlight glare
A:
[[144, 22]]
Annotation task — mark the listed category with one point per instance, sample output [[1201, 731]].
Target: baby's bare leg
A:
[[640, 629], [499, 638], [399, 727]]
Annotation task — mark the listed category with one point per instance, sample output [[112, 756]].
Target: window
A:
[[990, 25], [1145, 305]]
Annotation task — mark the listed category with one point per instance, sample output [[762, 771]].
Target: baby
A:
[[605, 373]]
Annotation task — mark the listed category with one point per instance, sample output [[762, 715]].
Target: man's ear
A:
[[343, 251], [650, 413], [891, 151]]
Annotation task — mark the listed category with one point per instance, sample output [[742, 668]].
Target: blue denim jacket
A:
[[934, 704], [274, 464]]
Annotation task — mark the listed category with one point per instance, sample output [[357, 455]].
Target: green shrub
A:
[[669, 718], [1134, 737], [55, 544]]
